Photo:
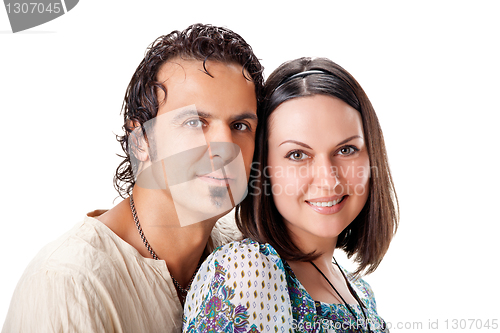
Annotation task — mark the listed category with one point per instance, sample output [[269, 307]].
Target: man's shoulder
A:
[[224, 231], [79, 250], [91, 276], [60, 274]]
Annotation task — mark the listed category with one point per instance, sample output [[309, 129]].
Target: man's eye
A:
[[240, 127], [193, 123], [297, 155]]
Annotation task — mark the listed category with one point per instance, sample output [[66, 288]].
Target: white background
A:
[[431, 70]]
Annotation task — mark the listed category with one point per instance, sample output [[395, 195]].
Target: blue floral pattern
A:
[[245, 287], [314, 316]]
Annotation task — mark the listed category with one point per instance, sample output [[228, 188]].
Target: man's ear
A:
[[137, 142]]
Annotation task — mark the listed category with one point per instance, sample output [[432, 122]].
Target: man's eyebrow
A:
[[246, 115], [296, 142], [188, 113], [192, 112]]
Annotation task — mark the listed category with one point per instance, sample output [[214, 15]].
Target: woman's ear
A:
[[137, 142]]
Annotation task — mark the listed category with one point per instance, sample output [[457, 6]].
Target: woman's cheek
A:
[[287, 189], [359, 177]]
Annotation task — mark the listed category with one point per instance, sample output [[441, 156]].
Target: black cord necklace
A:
[[182, 291], [354, 294]]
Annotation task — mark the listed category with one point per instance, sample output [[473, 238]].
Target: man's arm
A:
[[51, 301]]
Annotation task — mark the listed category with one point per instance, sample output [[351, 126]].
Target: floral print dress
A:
[[246, 287]]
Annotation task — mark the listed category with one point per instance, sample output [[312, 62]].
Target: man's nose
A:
[[221, 148]]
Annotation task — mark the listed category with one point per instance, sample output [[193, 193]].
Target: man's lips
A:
[[216, 179], [218, 174]]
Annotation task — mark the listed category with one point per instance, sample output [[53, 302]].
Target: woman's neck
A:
[[317, 285], [309, 243]]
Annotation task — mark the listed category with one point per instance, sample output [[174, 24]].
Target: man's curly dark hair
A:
[[197, 42]]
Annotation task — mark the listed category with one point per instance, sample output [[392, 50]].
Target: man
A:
[[190, 120]]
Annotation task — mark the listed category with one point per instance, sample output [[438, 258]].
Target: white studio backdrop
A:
[[430, 69]]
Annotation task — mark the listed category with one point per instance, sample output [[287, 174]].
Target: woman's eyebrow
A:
[[349, 139], [296, 142], [308, 147]]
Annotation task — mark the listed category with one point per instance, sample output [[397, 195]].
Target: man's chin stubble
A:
[[217, 195]]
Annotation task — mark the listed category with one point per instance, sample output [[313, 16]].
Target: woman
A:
[[320, 182]]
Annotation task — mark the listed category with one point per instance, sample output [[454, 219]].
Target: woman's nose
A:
[[325, 174]]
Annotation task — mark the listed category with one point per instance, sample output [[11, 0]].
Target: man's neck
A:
[[181, 247]]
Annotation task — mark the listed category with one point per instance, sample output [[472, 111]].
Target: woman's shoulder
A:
[[243, 284], [241, 260], [249, 245], [363, 289], [246, 250]]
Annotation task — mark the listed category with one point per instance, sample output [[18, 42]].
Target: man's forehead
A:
[[178, 69], [223, 92], [175, 67]]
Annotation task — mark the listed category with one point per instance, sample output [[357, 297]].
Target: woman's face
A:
[[319, 166]]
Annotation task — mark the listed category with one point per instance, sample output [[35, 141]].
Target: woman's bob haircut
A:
[[367, 238]]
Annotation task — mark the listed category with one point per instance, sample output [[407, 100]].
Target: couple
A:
[[319, 181]]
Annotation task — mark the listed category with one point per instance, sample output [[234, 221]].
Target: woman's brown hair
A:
[[368, 237]]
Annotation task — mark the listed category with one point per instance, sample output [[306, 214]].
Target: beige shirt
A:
[[90, 280]]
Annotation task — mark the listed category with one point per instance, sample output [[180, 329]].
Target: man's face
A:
[[201, 143]]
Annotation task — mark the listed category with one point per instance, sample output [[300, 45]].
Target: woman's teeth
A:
[[326, 203]]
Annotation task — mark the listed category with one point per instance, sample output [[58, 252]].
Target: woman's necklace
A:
[[182, 291], [361, 305]]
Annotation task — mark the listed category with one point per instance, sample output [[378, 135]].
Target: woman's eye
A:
[[240, 127], [346, 151], [297, 155], [193, 123]]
